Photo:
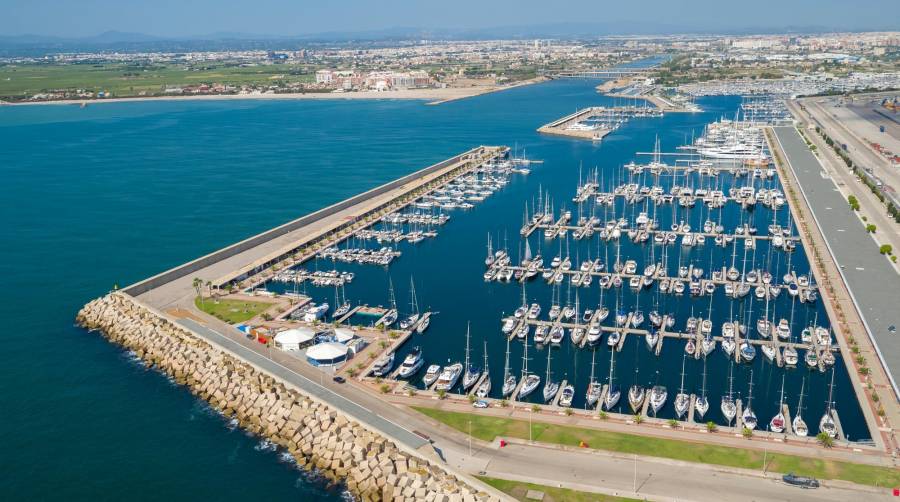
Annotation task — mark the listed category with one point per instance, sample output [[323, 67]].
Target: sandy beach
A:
[[433, 96]]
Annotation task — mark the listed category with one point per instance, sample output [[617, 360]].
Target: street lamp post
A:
[[635, 474]]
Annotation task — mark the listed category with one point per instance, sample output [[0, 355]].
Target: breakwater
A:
[[316, 435]]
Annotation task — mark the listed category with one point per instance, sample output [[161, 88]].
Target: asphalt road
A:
[[654, 480], [312, 388], [872, 282]]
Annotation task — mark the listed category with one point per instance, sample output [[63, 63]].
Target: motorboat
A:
[[566, 396], [448, 377], [431, 374], [383, 366], [411, 364], [790, 356]]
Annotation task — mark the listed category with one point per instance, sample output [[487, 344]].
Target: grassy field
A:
[[517, 490], [124, 80], [487, 428], [231, 311]]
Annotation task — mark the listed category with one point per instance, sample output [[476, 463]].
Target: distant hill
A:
[[31, 44]]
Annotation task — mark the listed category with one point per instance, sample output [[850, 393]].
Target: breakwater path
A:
[[317, 435]]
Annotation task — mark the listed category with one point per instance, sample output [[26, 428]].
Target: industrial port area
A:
[[649, 267]]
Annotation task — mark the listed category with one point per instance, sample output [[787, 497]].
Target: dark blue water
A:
[[113, 193]]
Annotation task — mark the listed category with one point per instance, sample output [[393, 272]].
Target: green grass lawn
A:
[[517, 490], [124, 80], [231, 311], [487, 428]]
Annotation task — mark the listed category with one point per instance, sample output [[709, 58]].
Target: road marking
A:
[[840, 230], [860, 268]]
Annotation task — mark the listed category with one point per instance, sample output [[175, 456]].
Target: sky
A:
[[180, 18]]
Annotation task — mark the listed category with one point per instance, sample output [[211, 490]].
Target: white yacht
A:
[[411, 364], [431, 374], [448, 377], [383, 366]]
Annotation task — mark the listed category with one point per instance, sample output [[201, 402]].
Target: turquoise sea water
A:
[[113, 193]]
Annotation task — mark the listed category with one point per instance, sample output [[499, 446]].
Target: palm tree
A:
[[198, 284], [710, 426], [209, 288], [825, 440]]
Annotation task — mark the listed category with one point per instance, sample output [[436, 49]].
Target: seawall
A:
[[318, 436]]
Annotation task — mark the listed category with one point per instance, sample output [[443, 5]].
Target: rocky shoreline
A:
[[316, 435]]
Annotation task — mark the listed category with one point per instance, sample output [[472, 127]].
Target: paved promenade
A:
[[872, 281]]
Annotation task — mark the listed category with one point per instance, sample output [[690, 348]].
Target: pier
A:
[[663, 334], [788, 425], [555, 401], [250, 261], [563, 126]]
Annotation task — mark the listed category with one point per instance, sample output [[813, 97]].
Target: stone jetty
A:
[[318, 436]]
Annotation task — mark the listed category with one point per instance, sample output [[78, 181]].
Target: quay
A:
[[562, 126]]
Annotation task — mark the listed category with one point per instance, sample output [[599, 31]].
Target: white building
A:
[[294, 339]]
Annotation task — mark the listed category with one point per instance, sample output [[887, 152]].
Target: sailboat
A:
[[594, 387], [826, 423], [509, 380], [414, 308], [613, 393], [777, 423], [472, 373], [550, 387], [390, 317], [798, 424], [790, 353], [729, 409], [749, 418], [485, 388], [682, 400], [658, 395], [343, 307], [636, 393], [529, 381], [701, 404]]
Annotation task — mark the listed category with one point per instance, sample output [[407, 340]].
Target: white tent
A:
[[327, 353], [294, 339], [344, 335]]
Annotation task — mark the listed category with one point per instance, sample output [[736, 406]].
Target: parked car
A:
[[801, 481], [338, 379], [480, 404]]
